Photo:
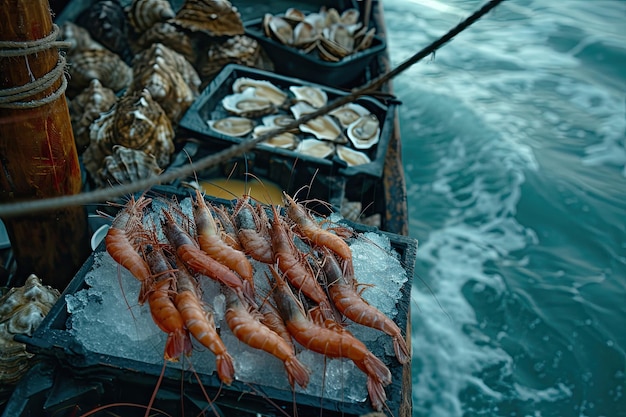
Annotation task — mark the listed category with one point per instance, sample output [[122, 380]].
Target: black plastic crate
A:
[[208, 107], [114, 378], [294, 62]]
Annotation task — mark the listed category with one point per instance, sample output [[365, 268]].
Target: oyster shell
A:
[[334, 35], [324, 127], [315, 147], [108, 24], [170, 78], [169, 35], [100, 64], [78, 37], [86, 107], [136, 121], [283, 140], [301, 108], [232, 126], [352, 157], [125, 166], [248, 104], [261, 88], [277, 120], [312, 95], [212, 17], [239, 49], [348, 113], [364, 132], [143, 14], [21, 311]]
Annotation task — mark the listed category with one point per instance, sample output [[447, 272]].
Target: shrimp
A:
[[331, 340], [296, 269], [246, 326], [200, 323], [123, 239], [253, 231], [229, 235], [342, 291], [198, 261], [317, 235], [162, 308], [211, 242]]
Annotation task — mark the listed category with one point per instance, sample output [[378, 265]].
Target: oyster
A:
[[301, 108], [136, 121], [364, 132], [100, 64], [78, 37], [277, 120], [143, 14], [86, 107], [348, 113], [248, 104], [262, 88], [167, 34], [316, 97], [170, 78], [21, 311], [108, 24], [212, 17], [352, 157], [315, 147], [239, 49], [232, 126], [283, 140], [334, 35], [324, 127], [125, 166]]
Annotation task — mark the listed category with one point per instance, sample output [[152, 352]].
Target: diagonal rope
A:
[[101, 195]]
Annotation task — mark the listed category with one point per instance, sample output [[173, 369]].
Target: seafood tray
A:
[[96, 378], [306, 63], [212, 103]]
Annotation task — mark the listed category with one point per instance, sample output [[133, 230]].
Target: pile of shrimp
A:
[[308, 268]]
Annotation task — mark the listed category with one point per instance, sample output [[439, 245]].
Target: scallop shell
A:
[[316, 97], [143, 14], [169, 35], [136, 121], [213, 17], [232, 126], [261, 88], [21, 311], [247, 104], [125, 166], [108, 24], [351, 156], [100, 64], [86, 107], [364, 132]]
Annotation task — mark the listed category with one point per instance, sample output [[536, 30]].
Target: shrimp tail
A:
[[297, 372], [376, 393], [401, 349], [225, 367], [177, 343], [375, 368]]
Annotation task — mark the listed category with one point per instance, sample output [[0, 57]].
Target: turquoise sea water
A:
[[515, 155]]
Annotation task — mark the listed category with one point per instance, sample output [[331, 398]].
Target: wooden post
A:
[[38, 156]]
